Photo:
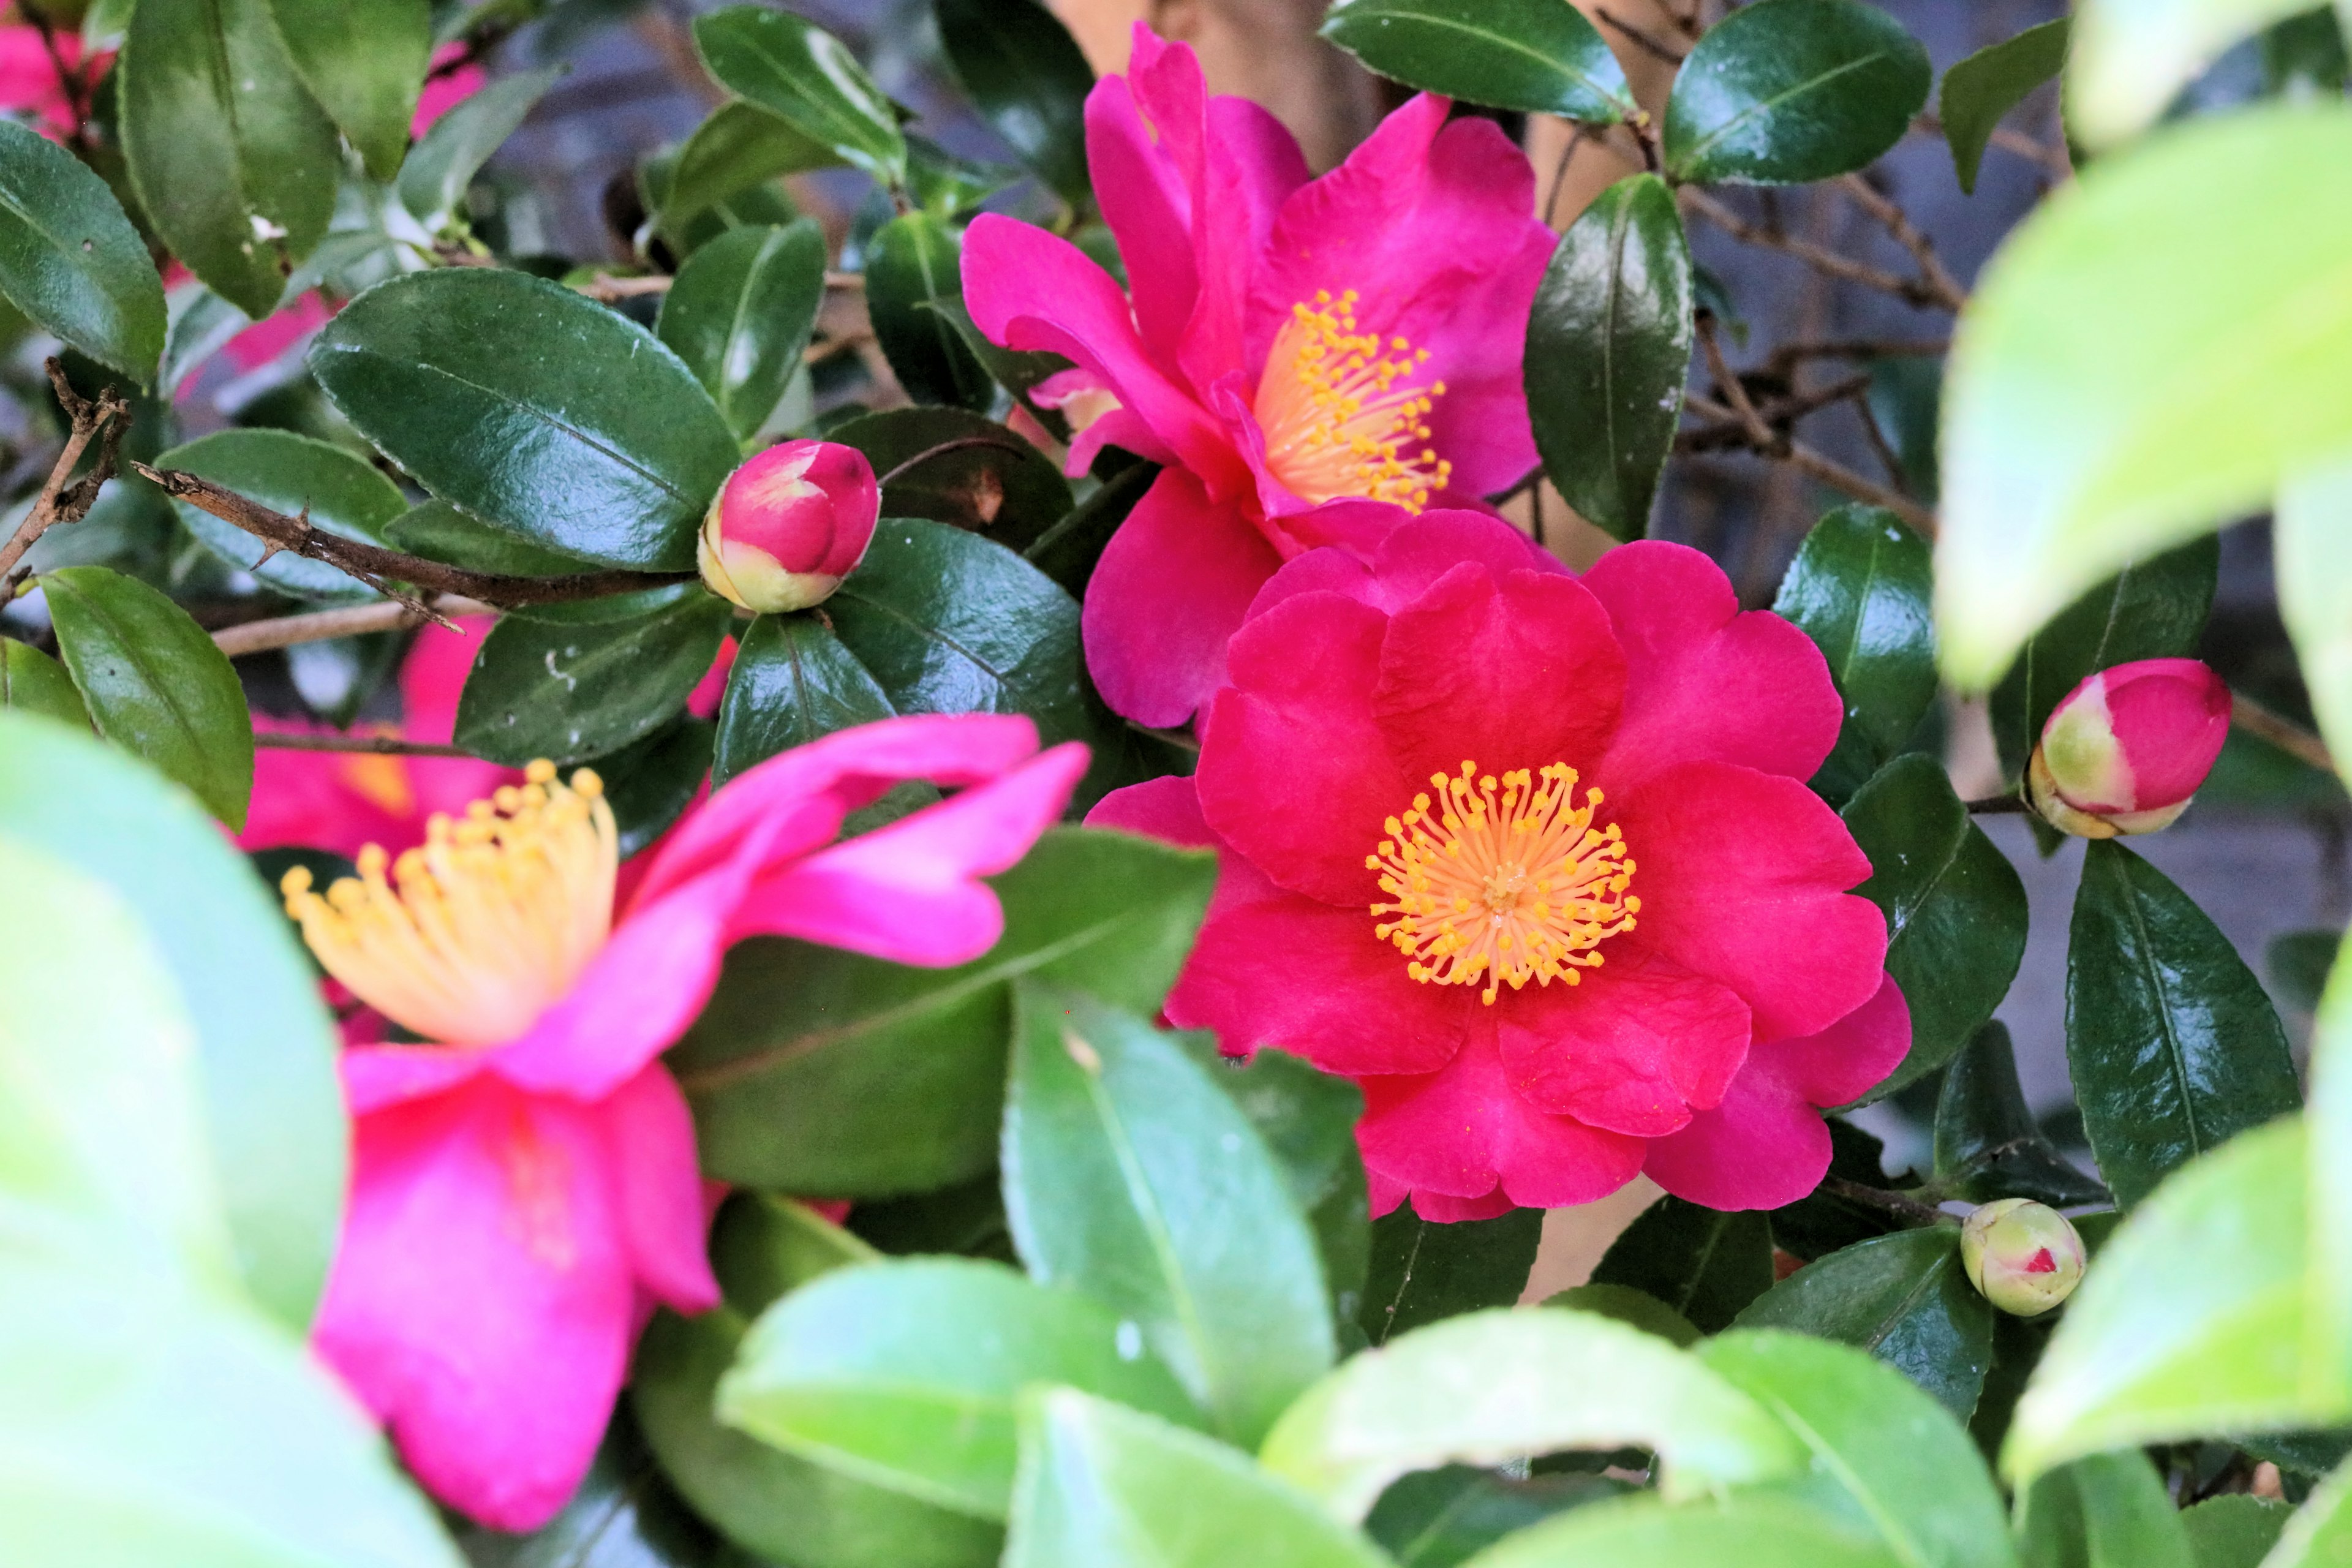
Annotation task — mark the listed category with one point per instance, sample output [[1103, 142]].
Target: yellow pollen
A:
[[1342, 414], [1506, 881], [473, 935]]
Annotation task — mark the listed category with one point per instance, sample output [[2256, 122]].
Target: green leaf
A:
[[2110, 1510], [33, 682], [1022, 69], [1754, 1531], [739, 146], [625, 1514], [2172, 1042], [1497, 1385], [1607, 350], [339, 492], [2108, 398], [740, 312], [1530, 55], [2314, 574], [233, 161], [797, 71], [1068, 551], [1988, 1145], [2298, 962], [2320, 1534], [1955, 907], [71, 260], [650, 785], [1705, 1264], [1108, 1195], [154, 683], [1905, 1298], [1107, 1486], [439, 531], [793, 683], [910, 263], [1982, 89], [2131, 60], [1818, 1224], [1785, 92], [1440, 1518], [903, 1374], [201, 325], [533, 407], [443, 163], [568, 692], [2235, 1531], [1006, 489], [364, 61], [1637, 1308], [1424, 1270], [1859, 587], [815, 1071]]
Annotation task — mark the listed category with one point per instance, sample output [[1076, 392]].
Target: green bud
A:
[[2023, 1256]]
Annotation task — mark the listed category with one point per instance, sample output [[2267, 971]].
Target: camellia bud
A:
[[2127, 748], [789, 525], [2023, 1256]]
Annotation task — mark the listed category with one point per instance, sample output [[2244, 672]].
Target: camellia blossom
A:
[[2126, 749], [523, 1183], [788, 526], [1313, 361], [1532, 859]]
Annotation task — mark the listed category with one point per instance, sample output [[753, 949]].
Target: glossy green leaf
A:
[[2109, 398], [2320, 1534], [1443, 1518], [338, 491], [1704, 1263], [903, 1374], [1982, 89], [1020, 65], [72, 261], [815, 1071], [568, 692], [2171, 1041], [739, 146], [532, 407], [1017, 371], [439, 531], [154, 683], [1859, 587], [2297, 964], [1530, 55], [650, 785], [1424, 1270], [2314, 574], [1496, 1385], [1607, 350], [233, 161], [2109, 1511], [1068, 551], [364, 61], [792, 683], [1822, 1223], [912, 262], [1905, 1298], [1111, 1487], [2235, 1531], [1988, 1145], [957, 468], [201, 324], [1108, 1193], [1955, 907], [740, 312], [2131, 59], [1754, 1531], [443, 163], [794, 69], [1784, 91], [33, 682], [1636, 1309]]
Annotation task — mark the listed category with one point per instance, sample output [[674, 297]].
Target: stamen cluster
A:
[[1340, 414]]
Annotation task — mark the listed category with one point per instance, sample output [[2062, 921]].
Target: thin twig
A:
[[960, 444], [2266, 723], [320, 625], [1907, 1209], [385, 745], [1778, 413], [1875, 434], [59, 502], [1648, 44], [1784, 359], [605, 288], [1732, 388], [1835, 475], [1911, 291], [1897, 223]]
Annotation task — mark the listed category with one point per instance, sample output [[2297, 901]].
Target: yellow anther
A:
[[1337, 414]]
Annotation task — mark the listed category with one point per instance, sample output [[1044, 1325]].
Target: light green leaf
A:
[[2235, 1529], [2313, 566], [33, 682], [1753, 1532], [364, 61], [2108, 1511], [2132, 57], [71, 260], [1905, 1298], [434, 178]]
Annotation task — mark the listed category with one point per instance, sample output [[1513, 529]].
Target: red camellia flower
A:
[[1533, 859]]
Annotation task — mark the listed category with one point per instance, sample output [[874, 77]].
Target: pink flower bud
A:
[[2023, 1256], [789, 525], [2126, 749]]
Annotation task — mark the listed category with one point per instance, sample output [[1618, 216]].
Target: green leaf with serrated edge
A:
[[1979, 90], [33, 682], [1955, 907], [1442, 1518], [815, 1071], [2297, 964], [1751, 1529], [154, 684], [2131, 60], [335, 491], [233, 161], [72, 261], [1423, 1270], [912, 262], [793, 683], [739, 146], [364, 62], [439, 531], [1068, 551], [2172, 1044], [1636, 1309], [2109, 1511], [1987, 1143], [2108, 399], [2235, 1531], [1496, 1385], [568, 692], [2192, 1321], [1005, 488], [1905, 1298], [1859, 587], [438, 169], [2320, 1534], [1105, 1120], [1607, 350], [740, 314], [2313, 572], [1786, 91], [1528, 55], [904, 1374], [533, 407], [1704, 1263], [1022, 69], [797, 71]]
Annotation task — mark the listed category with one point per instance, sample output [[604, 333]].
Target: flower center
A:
[[1504, 880], [480, 930], [1340, 414]]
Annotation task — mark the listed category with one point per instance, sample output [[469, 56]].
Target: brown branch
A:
[[1647, 44], [1731, 387], [1778, 413], [1911, 291], [320, 625], [1784, 359], [59, 502], [387, 745], [1897, 223], [605, 289], [1835, 475], [1910, 1210], [2266, 723]]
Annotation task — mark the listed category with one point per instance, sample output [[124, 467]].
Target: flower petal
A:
[[376, 1078], [1404, 562], [650, 1136], [1852, 1057], [1145, 202], [1168, 809], [1635, 1046]]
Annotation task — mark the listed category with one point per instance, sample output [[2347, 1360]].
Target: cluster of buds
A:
[[2127, 748], [2024, 1256], [789, 525]]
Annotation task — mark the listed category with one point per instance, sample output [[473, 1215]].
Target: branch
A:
[[1648, 45], [1778, 413], [59, 502], [1759, 434], [1784, 359], [1911, 1211], [1897, 223], [387, 745], [319, 626], [1911, 291], [1835, 475], [2266, 723]]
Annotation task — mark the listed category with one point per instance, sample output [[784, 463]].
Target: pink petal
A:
[[1439, 1209], [377, 1078], [1406, 561], [433, 677], [1168, 809], [1253, 163], [1635, 1046], [2172, 717], [1850, 1056], [1146, 201], [649, 1137]]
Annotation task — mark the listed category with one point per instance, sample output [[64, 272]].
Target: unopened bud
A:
[[2023, 1256], [789, 525], [2129, 747]]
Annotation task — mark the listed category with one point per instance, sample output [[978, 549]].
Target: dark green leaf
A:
[[1987, 1145], [2017, 1347], [2298, 963], [739, 146], [434, 179], [1021, 67], [1859, 587], [1423, 1270], [2173, 1046], [364, 61], [339, 493], [1068, 551], [202, 323], [1006, 489], [740, 314], [2304, 57], [1955, 907], [624, 1515], [1817, 1225], [1989, 83], [793, 683], [1637, 1308], [2110, 1510], [1529, 55], [1015, 370], [912, 262], [533, 407], [1441, 1518], [793, 69], [235, 162], [154, 684], [568, 692], [946, 185], [1907, 399], [72, 261], [439, 531], [1903, 1298], [650, 785], [1704, 1263], [1608, 349], [2235, 1530], [1785, 92], [33, 682]]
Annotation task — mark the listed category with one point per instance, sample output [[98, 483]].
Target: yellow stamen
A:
[[1341, 414], [472, 936], [1502, 881]]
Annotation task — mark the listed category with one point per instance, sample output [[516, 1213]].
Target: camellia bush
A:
[[948, 894]]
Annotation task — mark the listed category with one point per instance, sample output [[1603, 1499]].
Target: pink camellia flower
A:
[[1313, 361], [32, 75], [523, 1183], [1532, 859], [789, 525], [2124, 751]]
